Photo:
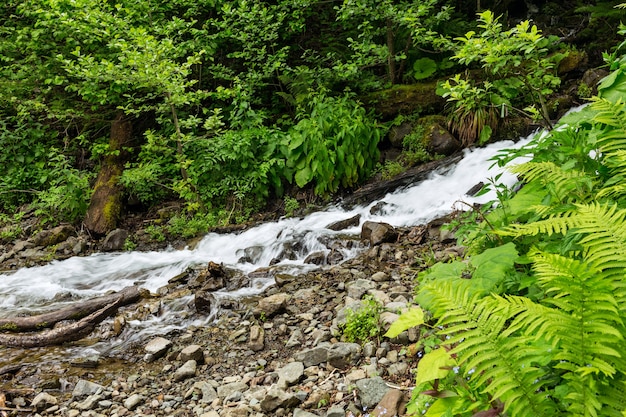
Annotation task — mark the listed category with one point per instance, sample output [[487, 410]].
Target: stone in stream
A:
[[115, 240], [377, 233], [156, 348]]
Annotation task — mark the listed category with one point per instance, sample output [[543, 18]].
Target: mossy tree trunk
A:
[[105, 207]]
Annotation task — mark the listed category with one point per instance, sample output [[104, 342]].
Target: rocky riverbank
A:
[[283, 353]]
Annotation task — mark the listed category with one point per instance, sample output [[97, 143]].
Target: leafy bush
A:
[[335, 143], [363, 324]]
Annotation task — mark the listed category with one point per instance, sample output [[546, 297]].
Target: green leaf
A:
[[303, 176], [434, 365], [424, 68], [411, 318]]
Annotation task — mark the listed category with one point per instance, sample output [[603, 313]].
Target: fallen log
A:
[[76, 311], [60, 335]]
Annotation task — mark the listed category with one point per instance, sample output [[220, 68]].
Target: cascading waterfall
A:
[[28, 289]]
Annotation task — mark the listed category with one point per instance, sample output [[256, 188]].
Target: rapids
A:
[[50, 286]]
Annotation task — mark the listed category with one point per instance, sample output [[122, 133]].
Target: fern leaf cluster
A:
[[545, 334]]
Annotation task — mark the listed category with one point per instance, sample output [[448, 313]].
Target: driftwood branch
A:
[[73, 331], [76, 311]]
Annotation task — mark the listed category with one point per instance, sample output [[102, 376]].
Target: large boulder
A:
[[378, 232]]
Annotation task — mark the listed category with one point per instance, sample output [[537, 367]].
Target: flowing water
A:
[[28, 289]]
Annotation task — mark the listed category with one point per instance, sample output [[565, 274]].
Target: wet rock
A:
[[192, 352], [250, 254], [156, 348], [84, 388], [315, 258], [334, 257], [257, 338], [188, 370], [345, 224], [294, 339], [278, 398], [291, 373], [271, 305], [390, 405], [43, 400], [371, 391], [377, 233], [475, 189], [204, 301], [115, 240], [397, 133], [342, 355]]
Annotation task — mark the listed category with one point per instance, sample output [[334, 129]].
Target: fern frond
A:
[[505, 364], [557, 224], [559, 181]]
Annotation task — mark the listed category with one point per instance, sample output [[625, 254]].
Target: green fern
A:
[[503, 363], [560, 182]]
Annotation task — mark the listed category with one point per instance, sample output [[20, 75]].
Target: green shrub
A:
[[363, 324]]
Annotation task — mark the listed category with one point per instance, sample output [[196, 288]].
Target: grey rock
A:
[[53, 236], [272, 305], [314, 356], [43, 400], [301, 413], [204, 301], [294, 339], [133, 401], [226, 390], [380, 277], [356, 289], [343, 312], [378, 233], [342, 355], [208, 392], [336, 411], [89, 403], [371, 391], [257, 338], [115, 240], [192, 352], [441, 142], [390, 404], [291, 373], [156, 348], [84, 388], [188, 370], [278, 398]]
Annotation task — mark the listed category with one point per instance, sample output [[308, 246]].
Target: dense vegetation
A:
[[532, 322], [224, 105]]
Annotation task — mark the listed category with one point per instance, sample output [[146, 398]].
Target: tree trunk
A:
[[391, 60], [105, 207], [67, 333], [76, 311]]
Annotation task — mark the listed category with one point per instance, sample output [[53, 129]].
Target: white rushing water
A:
[[94, 275]]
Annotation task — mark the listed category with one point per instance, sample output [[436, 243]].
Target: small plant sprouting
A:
[[363, 324]]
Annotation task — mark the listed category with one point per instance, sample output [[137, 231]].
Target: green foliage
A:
[[520, 68], [363, 324], [155, 233], [334, 144], [291, 206], [543, 333], [424, 68]]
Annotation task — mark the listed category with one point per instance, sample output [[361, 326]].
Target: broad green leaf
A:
[[434, 365], [411, 318], [303, 176]]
